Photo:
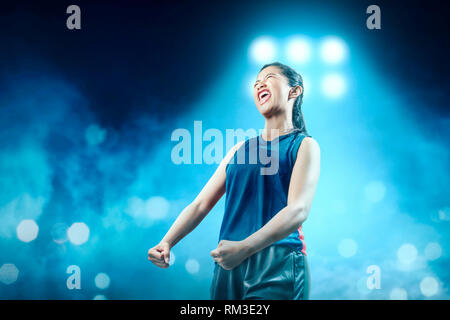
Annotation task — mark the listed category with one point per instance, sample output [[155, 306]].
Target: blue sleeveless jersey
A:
[[253, 198]]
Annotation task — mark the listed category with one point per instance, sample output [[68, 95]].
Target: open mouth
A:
[[263, 96]]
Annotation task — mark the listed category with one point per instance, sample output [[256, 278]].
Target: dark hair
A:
[[294, 79]]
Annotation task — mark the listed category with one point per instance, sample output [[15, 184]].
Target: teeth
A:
[[263, 93], [265, 99]]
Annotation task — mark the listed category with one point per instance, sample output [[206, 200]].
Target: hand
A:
[[160, 255], [229, 254]]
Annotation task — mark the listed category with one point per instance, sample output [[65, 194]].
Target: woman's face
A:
[[271, 91]]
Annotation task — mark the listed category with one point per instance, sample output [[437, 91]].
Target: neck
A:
[[280, 124]]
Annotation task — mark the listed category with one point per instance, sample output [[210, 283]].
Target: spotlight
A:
[[433, 251], [333, 85], [192, 266], [263, 50], [8, 273], [78, 233], [333, 50], [407, 253], [102, 281], [27, 230], [429, 286], [299, 50]]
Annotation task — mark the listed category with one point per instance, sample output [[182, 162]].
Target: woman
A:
[[261, 252]]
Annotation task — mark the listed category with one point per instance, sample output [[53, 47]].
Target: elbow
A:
[[200, 207], [300, 214]]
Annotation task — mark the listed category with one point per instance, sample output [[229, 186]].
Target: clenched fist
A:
[[160, 255], [229, 254]]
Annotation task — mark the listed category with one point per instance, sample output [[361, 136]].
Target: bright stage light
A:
[[8, 273], [333, 85], [263, 50], [433, 251], [429, 286], [333, 50], [27, 230], [78, 233], [407, 253], [102, 281], [298, 50], [100, 297], [192, 266]]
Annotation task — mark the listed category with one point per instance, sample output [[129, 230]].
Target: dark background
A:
[[127, 51]]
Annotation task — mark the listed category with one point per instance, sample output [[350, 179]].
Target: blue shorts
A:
[[275, 273]]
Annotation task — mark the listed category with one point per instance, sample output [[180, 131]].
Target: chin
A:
[[266, 110]]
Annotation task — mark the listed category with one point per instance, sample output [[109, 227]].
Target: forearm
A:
[[279, 227], [188, 219]]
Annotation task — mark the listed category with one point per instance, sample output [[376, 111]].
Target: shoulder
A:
[[237, 146], [247, 141], [310, 142], [233, 150], [309, 146]]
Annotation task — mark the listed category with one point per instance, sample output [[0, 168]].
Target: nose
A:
[[260, 85]]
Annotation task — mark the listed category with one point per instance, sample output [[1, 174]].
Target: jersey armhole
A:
[[242, 144]]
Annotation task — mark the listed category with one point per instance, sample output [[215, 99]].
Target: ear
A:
[[295, 92]]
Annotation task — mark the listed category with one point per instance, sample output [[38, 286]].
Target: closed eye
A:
[[267, 76]]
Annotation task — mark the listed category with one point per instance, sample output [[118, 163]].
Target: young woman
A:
[[261, 252]]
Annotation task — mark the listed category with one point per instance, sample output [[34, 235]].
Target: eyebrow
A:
[[270, 73]]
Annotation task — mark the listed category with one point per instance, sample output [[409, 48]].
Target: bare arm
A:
[[194, 213], [304, 179]]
